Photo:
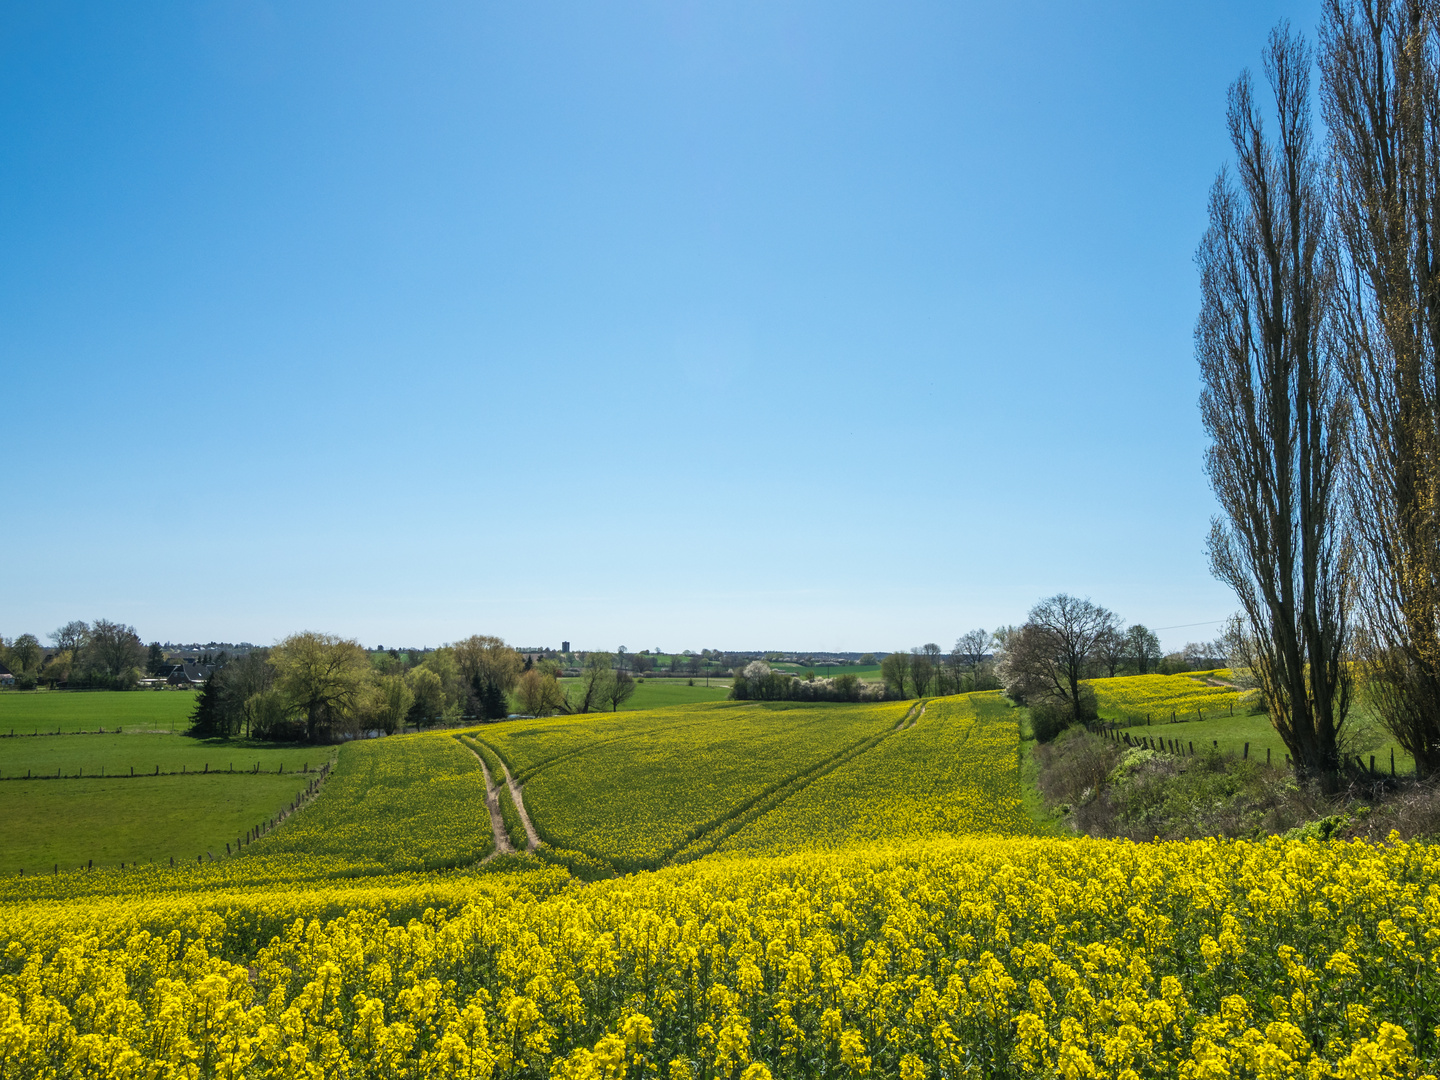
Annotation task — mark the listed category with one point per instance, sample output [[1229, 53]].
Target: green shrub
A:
[[1052, 714]]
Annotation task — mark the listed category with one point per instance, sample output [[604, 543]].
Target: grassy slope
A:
[[43, 822], [1232, 733], [1045, 822], [870, 672], [91, 710], [116, 754], [1125, 706]]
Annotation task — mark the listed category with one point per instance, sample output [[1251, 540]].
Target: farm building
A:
[[189, 674]]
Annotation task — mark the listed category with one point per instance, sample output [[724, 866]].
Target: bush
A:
[[1413, 811], [757, 682], [1048, 718], [1145, 794], [1075, 766], [1052, 714]]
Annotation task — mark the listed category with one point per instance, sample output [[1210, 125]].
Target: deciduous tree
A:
[[428, 694], [1070, 629], [323, 676], [974, 646], [72, 638], [25, 650], [923, 668], [1274, 412], [1381, 92], [594, 681], [114, 651], [1110, 650], [540, 693], [895, 670], [393, 699], [490, 658], [619, 689], [1142, 648]]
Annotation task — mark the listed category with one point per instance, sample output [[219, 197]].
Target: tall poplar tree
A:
[[1274, 411], [1381, 91]]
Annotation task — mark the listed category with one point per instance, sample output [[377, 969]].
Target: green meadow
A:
[[1363, 735], [868, 672], [149, 819], [27, 711], [116, 755], [655, 693]]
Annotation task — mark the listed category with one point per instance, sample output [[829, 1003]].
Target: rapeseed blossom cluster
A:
[[996, 956]]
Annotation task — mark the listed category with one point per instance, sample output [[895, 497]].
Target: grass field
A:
[[150, 819], [90, 710], [868, 672], [658, 693], [88, 755], [1230, 734]]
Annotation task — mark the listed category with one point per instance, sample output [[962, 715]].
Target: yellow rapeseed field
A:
[[321, 953], [983, 957], [1133, 697], [634, 793], [937, 777]]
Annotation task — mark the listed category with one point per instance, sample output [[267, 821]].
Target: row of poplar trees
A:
[[1319, 347]]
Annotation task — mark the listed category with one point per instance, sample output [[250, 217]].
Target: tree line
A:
[[100, 655], [1318, 342], [1025, 660], [317, 687]]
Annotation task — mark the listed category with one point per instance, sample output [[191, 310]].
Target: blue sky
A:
[[678, 325]]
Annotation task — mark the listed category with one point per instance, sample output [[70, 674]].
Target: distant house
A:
[[7, 677], [189, 674]]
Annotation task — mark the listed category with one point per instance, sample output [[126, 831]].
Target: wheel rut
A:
[[492, 803], [533, 840], [718, 832], [911, 718]]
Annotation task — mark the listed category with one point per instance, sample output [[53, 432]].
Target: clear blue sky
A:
[[773, 325]]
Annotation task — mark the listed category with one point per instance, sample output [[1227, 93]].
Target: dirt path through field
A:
[[492, 803], [534, 840], [912, 717], [905, 719]]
